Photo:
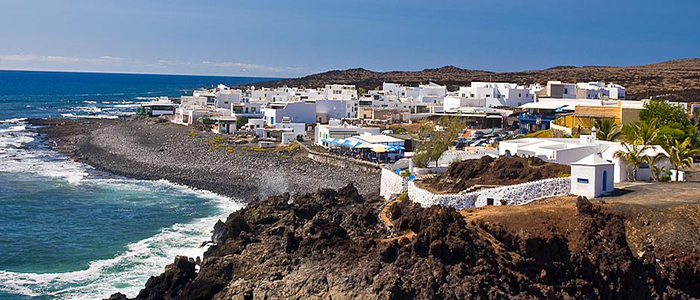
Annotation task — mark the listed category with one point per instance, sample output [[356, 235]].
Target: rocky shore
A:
[[334, 244], [151, 149]]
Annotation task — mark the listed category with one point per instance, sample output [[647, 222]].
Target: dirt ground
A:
[[663, 218]]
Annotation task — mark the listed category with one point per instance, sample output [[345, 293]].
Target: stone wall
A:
[[506, 195], [392, 184], [341, 161]]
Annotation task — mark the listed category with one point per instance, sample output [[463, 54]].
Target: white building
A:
[[599, 90], [498, 93], [192, 101], [592, 176], [336, 130], [297, 112], [431, 93], [335, 109], [226, 97], [340, 92], [570, 150]]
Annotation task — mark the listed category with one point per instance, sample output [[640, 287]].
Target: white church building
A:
[[592, 176]]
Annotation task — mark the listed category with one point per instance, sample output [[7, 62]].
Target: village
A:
[[556, 139]]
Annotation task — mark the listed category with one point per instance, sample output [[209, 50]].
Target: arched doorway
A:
[[605, 181]]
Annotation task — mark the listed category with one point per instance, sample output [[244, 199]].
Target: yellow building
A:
[[585, 116]]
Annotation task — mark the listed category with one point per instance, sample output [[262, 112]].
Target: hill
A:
[[672, 80]]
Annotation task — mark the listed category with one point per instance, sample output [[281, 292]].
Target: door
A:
[[605, 181]]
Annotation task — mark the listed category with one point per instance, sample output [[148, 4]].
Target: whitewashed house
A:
[[297, 112], [592, 176], [340, 92], [335, 109], [225, 98], [431, 93], [599, 90]]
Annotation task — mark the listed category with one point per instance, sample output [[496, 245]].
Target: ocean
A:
[[70, 232]]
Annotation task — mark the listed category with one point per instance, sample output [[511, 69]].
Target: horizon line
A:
[[134, 73]]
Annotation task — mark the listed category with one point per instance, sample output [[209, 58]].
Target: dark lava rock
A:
[[494, 171], [331, 245]]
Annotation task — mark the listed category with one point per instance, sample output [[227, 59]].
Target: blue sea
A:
[[70, 232]]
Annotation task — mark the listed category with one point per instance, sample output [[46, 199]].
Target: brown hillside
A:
[[674, 80]]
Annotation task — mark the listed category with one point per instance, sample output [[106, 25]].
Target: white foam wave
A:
[[127, 105], [74, 116], [16, 157], [8, 121], [127, 272]]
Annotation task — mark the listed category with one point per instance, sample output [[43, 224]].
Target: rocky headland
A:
[[335, 244]]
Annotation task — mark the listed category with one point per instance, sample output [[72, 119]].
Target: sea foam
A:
[[128, 271]]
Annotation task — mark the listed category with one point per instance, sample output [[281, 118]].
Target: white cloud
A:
[[119, 64], [59, 59], [247, 66]]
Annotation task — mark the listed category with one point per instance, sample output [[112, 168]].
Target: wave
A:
[[128, 271], [74, 116], [17, 120], [41, 161]]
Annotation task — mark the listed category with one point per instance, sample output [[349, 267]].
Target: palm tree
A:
[[653, 162], [607, 130], [633, 154], [679, 154], [644, 132]]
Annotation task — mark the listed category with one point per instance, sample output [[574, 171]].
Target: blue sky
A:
[[289, 38]]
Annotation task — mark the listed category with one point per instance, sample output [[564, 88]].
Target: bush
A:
[[421, 159]]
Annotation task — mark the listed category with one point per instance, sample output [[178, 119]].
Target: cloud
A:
[[247, 66], [115, 63], [59, 59]]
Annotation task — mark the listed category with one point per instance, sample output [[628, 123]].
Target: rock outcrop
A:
[[331, 244]]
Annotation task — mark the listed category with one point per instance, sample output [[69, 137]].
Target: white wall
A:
[[594, 175], [512, 195], [337, 109], [391, 184], [298, 112]]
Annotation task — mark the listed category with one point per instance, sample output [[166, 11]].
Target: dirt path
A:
[[383, 215]]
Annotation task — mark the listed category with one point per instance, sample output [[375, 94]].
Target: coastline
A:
[[140, 148]]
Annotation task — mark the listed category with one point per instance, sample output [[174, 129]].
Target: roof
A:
[[377, 139], [592, 160], [547, 105]]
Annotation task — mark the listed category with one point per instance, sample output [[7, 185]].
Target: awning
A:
[[379, 150]]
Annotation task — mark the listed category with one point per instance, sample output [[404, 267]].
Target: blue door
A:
[[605, 181]]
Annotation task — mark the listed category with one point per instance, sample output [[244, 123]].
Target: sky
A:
[[291, 38]]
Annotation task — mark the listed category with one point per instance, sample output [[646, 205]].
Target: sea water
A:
[[70, 232]]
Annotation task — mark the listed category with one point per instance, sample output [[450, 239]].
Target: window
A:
[[520, 95], [489, 201], [566, 91], [582, 180]]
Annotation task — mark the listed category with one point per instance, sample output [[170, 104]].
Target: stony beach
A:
[[154, 150]]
